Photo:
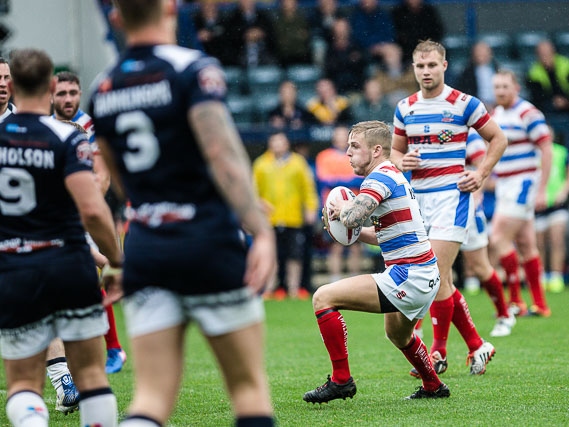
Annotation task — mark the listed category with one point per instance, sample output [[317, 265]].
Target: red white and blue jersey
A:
[[526, 128], [398, 223], [438, 127], [37, 153], [475, 147]]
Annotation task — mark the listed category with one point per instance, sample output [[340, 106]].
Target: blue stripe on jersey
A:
[[457, 154], [397, 190], [399, 274], [479, 224], [535, 124], [472, 105], [433, 190], [462, 210], [399, 242], [523, 196], [429, 119], [518, 156]]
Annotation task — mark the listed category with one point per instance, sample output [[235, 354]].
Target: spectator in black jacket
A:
[[476, 78]]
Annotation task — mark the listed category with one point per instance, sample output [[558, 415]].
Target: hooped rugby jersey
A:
[[438, 127], [526, 128], [397, 220]]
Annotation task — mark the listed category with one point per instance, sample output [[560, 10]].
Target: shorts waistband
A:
[[19, 245], [156, 214]]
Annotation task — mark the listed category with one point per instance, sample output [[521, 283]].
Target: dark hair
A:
[[68, 76], [137, 13], [31, 70]]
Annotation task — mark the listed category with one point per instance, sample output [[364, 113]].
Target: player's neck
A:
[[162, 33], [34, 105], [432, 93]]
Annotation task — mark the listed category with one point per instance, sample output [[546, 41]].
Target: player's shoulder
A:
[[181, 58], [61, 130]]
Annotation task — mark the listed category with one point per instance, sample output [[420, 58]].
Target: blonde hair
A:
[[374, 133], [75, 125], [426, 46]]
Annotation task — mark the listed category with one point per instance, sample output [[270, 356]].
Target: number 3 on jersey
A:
[[140, 139]]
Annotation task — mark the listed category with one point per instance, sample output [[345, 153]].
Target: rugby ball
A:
[[338, 231]]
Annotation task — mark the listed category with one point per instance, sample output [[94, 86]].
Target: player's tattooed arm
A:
[[354, 214]]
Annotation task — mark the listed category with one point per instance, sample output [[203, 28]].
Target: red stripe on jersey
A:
[[459, 137], [432, 172], [527, 111], [519, 141], [476, 155], [389, 168], [398, 131], [505, 174], [426, 257], [543, 139], [394, 217], [373, 194], [413, 98], [453, 96], [482, 121], [88, 124]]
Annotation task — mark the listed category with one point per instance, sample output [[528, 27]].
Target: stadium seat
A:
[[263, 104], [500, 43], [561, 41], [264, 79], [304, 76], [235, 77], [457, 47], [241, 108], [526, 42]]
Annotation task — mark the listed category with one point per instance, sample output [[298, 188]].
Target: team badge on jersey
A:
[[84, 152], [448, 117], [445, 135], [212, 81]]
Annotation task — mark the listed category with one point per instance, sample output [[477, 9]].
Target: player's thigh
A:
[[354, 293], [25, 374], [86, 359], [399, 329]]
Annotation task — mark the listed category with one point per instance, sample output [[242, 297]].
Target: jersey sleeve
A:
[[78, 154], [207, 81]]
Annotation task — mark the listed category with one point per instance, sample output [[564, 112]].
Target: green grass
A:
[[527, 383]]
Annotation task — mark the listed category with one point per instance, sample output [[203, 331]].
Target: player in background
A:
[[551, 223], [66, 101], [67, 396], [48, 282], [174, 152], [404, 291], [429, 139], [522, 174]]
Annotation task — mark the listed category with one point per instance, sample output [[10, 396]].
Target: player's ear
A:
[[115, 19], [52, 85]]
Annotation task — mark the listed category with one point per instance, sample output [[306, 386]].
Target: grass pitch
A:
[[526, 384]]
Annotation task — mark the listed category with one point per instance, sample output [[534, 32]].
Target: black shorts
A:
[[290, 242], [45, 282]]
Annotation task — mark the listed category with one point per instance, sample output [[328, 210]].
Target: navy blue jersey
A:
[[140, 107], [36, 211]]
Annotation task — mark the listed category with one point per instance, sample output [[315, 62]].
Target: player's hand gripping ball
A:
[[336, 229]]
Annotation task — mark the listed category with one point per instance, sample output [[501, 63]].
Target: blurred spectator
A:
[[289, 114], [323, 17], [285, 182], [327, 106], [212, 30], [251, 39], [396, 87], [373, 105], [415, 20], [476, 78], [292, 34], [373, 30], [548, 79], [333, 169], [548, 85], [345, 62]]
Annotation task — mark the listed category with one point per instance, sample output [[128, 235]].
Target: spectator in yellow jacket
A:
[[285, 181]]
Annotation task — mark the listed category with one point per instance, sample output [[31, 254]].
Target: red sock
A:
[[111, 338], [335, 336], [419, 324], [416, 354], [441, 317], [463, 322], [510, 264], [533, 277], [495, 290]]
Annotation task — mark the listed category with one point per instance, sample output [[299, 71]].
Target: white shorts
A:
[[558, 216], [155, 309], [515, 197], [411, 288], [477, 232], [446, 213], [69, 325]]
